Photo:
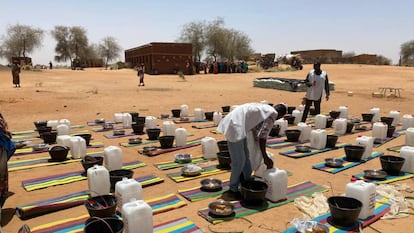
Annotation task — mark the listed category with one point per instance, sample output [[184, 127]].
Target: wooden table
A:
[[392, 90]]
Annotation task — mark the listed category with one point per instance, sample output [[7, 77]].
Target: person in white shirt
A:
[[317, 82], [251, 121]]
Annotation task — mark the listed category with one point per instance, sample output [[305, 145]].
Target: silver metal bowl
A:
[[375, 174], [40, 147], [118, 132], [333, 162], [135, 140], [302, 148], [183, 158], [192, 170], [221, 208], [210, 184]]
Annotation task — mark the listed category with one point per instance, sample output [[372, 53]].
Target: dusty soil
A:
[[82, 96]]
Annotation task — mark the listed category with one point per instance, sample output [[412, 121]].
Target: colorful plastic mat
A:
[[34, 131], [76, 225], [206, 171], [387, 179], [66, 178], [17, 165], [279, 143], [158, 204], [395, 135], [158, 151], [170, 165], [345, 165], [306, 188], [295, 154], [382, 206]]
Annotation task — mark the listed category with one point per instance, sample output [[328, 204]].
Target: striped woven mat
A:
[[295, 154], [345, 165], [206, 171], [76, 225], [306, 188], [158, 151], [170, 165], [17, 165], [382, 206], [158, 204], [387, 179], [66, 178]]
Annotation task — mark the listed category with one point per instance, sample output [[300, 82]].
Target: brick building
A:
[[161, 58], [326, 56]]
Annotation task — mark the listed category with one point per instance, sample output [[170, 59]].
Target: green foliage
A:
[[407, 53]]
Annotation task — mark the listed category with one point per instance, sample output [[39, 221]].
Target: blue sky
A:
[[360, 26]]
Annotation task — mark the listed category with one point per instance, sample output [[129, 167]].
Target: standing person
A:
[[317, 82], [7, 149], [243, 122], [50, 65], [15, 69], [141, 71]]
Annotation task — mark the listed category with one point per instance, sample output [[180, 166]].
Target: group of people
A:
[[247, 128]]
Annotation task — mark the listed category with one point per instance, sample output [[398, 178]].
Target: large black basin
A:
[[392, 164], [344, 210], [253, 191], [292, 135], [353, 152]]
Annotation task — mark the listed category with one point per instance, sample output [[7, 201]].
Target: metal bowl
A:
[[183, 158], [118, 132], [210, 184], [148, 149], [135, 140], [302, 148], [107, 126], [165, 116], [19, 144], [40, 147], [312, 227], [221, 208], [191, 170], [100, 121], [333, 162], [375, 174]]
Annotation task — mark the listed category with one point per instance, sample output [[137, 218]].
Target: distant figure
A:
[[141, 71], [50, 65], [317, 82], [15, 69]]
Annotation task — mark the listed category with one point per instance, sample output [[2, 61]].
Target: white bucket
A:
[[379, 130], [118, 117], [198, 114], [305, 132], [396, 115], [137, 217], [365, 193], [126, 120], [368, 143], [168, 128], [150, 122], [283, 124], [63, 140], [127, 189], [409, 137], [320, 121], [407, 121], [62, 129], [113, 158], [64, 121], [376, 112], [318, 139], [340, 126], [53, 124], [407, 152], [180, 137], [298, 116], [98, 180], [217, 116], [259, 172], [77, 147], [209, 147], [184, 110], [343, 112], [277, 182]]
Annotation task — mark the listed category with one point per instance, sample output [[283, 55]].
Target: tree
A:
[[109, 49], [21, 40], [72, 43], [407, 53], [214, 35], [193, 33]]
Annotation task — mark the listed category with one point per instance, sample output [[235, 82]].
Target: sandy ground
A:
[[82, 96]]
